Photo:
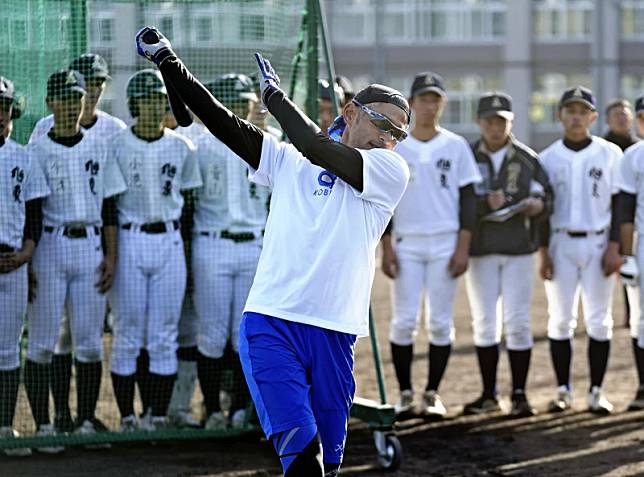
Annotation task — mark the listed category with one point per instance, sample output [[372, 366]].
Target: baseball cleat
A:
[[562, 401], [183, 419], [597, 403], [483, 405], [637, 404], [8, 433], [64, 423], [239, 419], [129, 424], [92, 426], [431, 406], [521, 407], [216, 422], [406, 402], [47, 430]]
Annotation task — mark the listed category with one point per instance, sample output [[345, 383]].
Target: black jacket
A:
[[518, 234]]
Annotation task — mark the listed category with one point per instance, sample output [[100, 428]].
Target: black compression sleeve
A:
[[628, 204], [543, 233], [242, 137], [187, 215], [389, 228], [615, 218], [109, 212], [467, 207], [340, 159], [33, 220]]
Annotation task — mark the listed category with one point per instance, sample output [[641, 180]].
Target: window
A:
[[555, 20], [463, 95], [631, 86], [203, 29], [632, 19], [251, 28], [102, 30], [548, 89]]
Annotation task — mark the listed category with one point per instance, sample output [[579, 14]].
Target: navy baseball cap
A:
[[324, 90], [232, 88], [495, 104], [91, 66], [578, 94], [145, 83], [427, 82], [377, 93], [639, 104], [65, 83]]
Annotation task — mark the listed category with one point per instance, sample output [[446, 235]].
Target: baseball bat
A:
[[179, 109]]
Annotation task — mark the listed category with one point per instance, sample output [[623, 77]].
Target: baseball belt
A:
[[153, 227], [74, 231]]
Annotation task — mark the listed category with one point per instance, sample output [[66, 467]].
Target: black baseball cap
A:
[[65, 83], [145, 83], [7, 90], [578, 94], [346, 85], [232, 88], [639, 104], [428, 82], [91, 66], [495, 104], [324, 90], [377, 93]]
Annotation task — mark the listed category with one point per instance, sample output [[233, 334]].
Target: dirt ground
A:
[[575, 443]]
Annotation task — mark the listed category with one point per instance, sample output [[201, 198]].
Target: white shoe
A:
[[184, 387], [216, 422], [9, 433], [48, 430], [597, 403], [182, 419], [562, 401], [92, 427], [406, 402], [129, 424], [153, 423], [239, 420], [432, 406]]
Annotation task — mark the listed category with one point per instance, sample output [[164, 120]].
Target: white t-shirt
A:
[[631, 180], [318, 259], [155, 173], [106, 126], [438, 169], [227, 200], [583, 183], [21, 180], [497, 158], [79, 178], [193, 131]]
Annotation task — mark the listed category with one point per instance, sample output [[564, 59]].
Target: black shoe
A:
[[483, 405], [521, 407], [64, 423]]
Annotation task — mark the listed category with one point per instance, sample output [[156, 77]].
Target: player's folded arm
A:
[[467, 213]]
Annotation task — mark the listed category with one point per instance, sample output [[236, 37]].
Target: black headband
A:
[[377, 93]]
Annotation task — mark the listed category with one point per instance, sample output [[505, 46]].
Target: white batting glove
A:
[[268, 80], [629, 271], [152, 45]]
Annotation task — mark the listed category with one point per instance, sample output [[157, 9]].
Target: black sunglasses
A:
[[383, 123]]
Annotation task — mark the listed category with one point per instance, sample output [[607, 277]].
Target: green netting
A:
[[212, 38]]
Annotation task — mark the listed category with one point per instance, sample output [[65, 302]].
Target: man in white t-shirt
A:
[[309, 301]]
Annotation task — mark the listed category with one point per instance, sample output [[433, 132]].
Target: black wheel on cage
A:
[[389, 452]]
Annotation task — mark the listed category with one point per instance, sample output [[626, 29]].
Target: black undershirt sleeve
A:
[[109, 212], [389, 228], [467, 207], [242, 137], [628, 204], [187, 214], [543, 233], [33, 220], [615, 218]]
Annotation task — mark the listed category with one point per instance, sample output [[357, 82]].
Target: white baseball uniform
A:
[[425, 228], [631, 180], [106, 125], [583, 183], [229, 222], [68, 255], [21, 180], [150, 279]]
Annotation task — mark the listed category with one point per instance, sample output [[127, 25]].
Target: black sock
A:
[[638, 353], [488, 357], [209, 372], [241, 395], [188, 353], [519, 364], [438, 356], [402, 357], [143, 379], [61, 375], [124, 393], [598, 360], [160, 398], [9, 381], [88, 385], [37, 386], [561, 355]]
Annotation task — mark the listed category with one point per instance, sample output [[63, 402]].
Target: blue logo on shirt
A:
[[327, 181]]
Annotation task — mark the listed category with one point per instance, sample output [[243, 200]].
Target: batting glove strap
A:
[[152, 45]]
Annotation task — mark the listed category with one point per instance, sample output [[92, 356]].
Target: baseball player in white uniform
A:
[[514, 196], [229, 221], [94, 123], [22, 189], [429, 250], [69, 264], [151, 275], [583, 250]]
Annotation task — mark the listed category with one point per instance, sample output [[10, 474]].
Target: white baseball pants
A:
[[13, 306], [635, 298]]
